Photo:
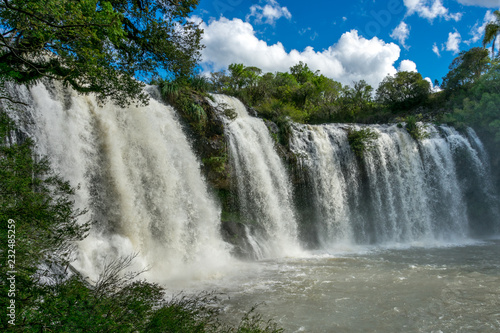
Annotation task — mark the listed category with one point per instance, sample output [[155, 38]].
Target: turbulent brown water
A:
[[414, 289]]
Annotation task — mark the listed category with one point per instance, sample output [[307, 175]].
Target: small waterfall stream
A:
[[263, 186], [335, 178]]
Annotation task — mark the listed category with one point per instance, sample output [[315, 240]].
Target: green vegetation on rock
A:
[[361, 140], [416, 131]]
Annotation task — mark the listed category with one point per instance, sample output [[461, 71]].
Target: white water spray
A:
[[325, 151], [140, 179]]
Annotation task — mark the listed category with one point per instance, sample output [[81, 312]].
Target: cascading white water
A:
[[140, 179], [263, 187], [401, 192], [335, 179], [143, 186]]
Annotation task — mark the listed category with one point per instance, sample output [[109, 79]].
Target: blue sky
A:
[[345, 40]]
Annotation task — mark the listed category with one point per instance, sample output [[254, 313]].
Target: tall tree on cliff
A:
[[491, 32], [98, 46], [466, 69]]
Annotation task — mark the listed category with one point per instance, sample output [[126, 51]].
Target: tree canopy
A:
[[98, 46], [404, 90], [467, 68]]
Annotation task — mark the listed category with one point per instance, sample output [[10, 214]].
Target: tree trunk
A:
[[493, 47]]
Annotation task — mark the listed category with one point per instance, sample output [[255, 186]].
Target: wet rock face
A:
[[493, 149], [252, 112], [235, 234], [273, 128], [209, 144]]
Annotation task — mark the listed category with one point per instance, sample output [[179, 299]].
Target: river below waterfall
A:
[[412, 289]]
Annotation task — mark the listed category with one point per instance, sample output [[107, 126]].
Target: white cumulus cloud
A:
[[352, 58], [407, 66], [401, 33], [481, 3], [453, 42], [430, 9], [268, 14]]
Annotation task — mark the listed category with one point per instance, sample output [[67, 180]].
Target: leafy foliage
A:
[[46, 223], [403, 91], [301, 95], [217, 164], [37, 199], [356, 101], [98, 46], [466, 69], [480, 106], [491, 31], [305, 96]]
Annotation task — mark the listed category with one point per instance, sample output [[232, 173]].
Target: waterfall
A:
[[401, 191], [262, 183], [139, 178], [138, 175], [334, 176]]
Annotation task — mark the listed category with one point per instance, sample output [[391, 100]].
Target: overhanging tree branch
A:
[[8, 6], [98, 50]]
